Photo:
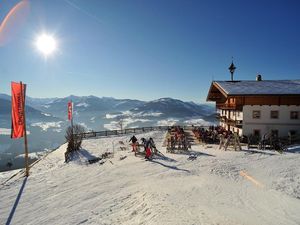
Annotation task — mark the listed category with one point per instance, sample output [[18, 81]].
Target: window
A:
[[294, 115], [256, 114], [256, 133], [274, 114]]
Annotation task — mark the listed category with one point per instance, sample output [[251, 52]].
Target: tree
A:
[[74, 139], [121, 122]]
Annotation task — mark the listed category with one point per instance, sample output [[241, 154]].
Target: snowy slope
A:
[[212, 189]]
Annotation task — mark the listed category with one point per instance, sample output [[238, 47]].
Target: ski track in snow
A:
[[171, 190]]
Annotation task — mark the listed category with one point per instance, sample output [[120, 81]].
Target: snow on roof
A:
[[265, 87]]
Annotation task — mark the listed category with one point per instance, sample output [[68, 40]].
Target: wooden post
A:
[[25, 134], [72, 122], [222, 141], [237, 142]]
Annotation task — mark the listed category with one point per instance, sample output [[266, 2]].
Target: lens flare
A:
[[13, 21]]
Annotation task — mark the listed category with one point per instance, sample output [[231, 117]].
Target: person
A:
[[148, 153], [150, 147], [144, 141], [133, 139]]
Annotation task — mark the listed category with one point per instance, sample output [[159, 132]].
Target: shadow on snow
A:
[[192, 153], [252, 151], [12, 212], [168, 166]]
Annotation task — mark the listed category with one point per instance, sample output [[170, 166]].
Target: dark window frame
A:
[[294, 115], [274, 112], [256, 114]]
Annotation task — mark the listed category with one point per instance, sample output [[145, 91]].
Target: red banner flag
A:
[[70, 110], [18, 91]]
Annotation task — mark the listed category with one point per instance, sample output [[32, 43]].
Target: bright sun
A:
[[46, 44]]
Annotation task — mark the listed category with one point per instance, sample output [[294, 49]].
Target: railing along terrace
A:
[[105, 133]]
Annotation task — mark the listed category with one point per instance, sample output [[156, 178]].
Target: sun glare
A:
[[46, 44]]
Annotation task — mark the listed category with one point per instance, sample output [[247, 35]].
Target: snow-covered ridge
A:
[[46, 125], [46, 114], [82, 104], [167, 122], [133, 114], [115, 125]]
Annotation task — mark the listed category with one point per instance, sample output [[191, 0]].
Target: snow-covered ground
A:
[[214, 187]]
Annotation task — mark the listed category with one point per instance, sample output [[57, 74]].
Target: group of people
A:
[[177, 136], [149, 146], [210, 135]]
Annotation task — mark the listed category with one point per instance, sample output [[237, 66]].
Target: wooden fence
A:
[[106, 133]]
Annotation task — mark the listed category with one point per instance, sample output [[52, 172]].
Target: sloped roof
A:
[[265, 87]]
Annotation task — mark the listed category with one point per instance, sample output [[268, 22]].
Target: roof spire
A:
[[232, 69]]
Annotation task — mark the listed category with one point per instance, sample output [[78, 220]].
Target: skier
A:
[[133, 139], [149, 148]]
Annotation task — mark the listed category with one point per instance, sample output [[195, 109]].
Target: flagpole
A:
[[25, 133], [72, 115]]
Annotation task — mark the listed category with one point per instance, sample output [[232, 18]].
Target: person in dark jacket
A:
[[133, 139], [150, 148]]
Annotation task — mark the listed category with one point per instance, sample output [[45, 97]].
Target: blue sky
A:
[[150, 49]]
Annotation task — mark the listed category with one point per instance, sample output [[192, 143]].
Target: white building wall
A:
[[265, 123]]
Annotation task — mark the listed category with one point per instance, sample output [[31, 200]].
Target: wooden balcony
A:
[[226, 106], [229, 106]]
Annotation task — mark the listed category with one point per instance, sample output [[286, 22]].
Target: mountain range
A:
[[46, 118]]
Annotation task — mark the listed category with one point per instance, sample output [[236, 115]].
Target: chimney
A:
[[258, 77]]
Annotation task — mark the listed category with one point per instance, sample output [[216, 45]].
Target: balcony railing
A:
[[226, 106]]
